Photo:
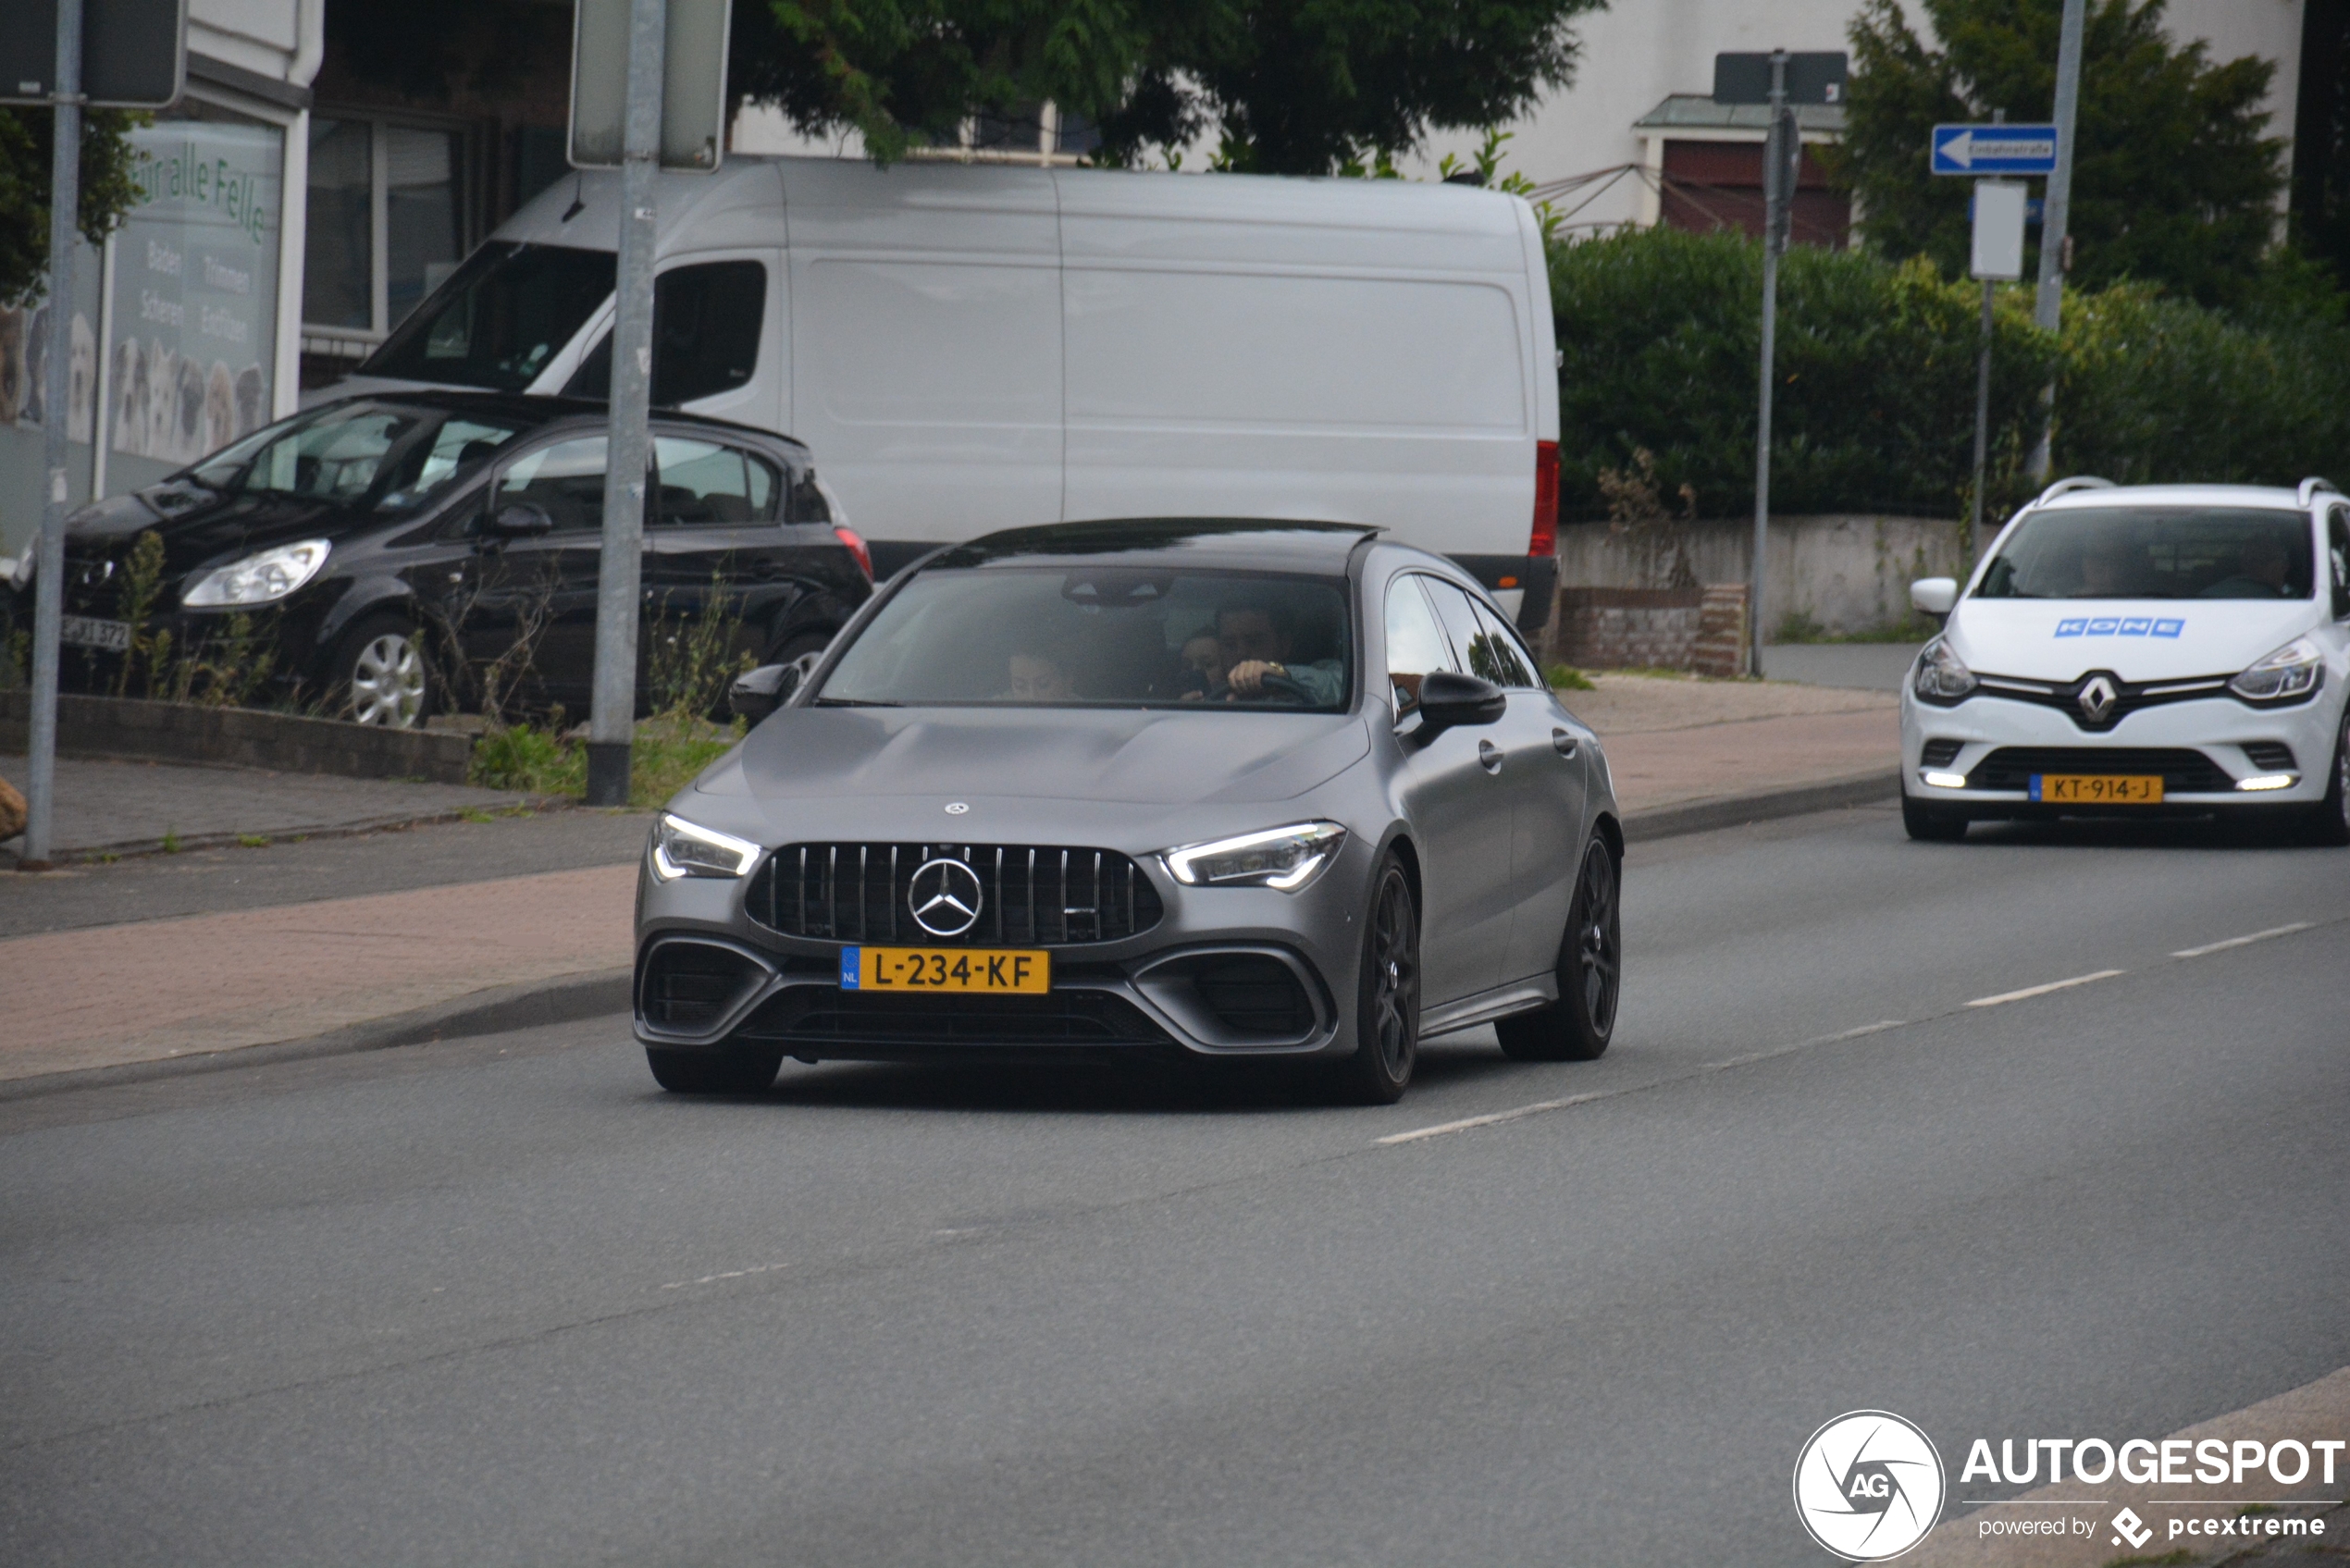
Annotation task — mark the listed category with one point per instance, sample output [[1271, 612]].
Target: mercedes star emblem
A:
[[956, 807], [945, 897], [2097, 697]]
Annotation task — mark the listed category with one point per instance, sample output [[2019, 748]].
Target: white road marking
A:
[[2043, 990], [2242, 941], [735, 1274]]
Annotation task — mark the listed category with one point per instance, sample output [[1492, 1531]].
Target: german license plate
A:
[[985, 971], [2098, 789], [84, 630]]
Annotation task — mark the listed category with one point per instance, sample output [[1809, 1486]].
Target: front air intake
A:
[[688, 987]]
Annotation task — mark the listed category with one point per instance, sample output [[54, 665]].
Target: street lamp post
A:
[[2049, 304], [1777, 201]]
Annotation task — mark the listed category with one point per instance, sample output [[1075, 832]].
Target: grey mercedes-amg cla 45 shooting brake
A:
[[1222, 789]]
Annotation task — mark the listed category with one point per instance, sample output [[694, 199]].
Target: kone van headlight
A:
[[1287, 857], [2291, 671], [258, 579], [1941, 676], [687, 850]]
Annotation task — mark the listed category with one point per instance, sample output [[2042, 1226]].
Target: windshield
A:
[[2154, 553], [1050, 636], [384, 457], [499, 320]]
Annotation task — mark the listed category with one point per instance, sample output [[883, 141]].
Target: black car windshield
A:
[[382, 457], [1122, 636], [499, 319], [2155, 552]]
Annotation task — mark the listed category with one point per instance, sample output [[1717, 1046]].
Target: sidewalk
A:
[[376, 967]]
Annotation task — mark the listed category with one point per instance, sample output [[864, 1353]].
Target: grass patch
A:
[[474, 814], [2168, 1559], [171, 845], [254, 840], [1798, 627], [1565, 678], [669, 750]]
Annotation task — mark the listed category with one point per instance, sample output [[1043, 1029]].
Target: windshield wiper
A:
[[853, 702]]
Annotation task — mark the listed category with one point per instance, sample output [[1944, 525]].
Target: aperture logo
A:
[[1868, 1485]]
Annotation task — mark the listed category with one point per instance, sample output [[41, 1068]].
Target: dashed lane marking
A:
[[2243, 941], [2006, 996]]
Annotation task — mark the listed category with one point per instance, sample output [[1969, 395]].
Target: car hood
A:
[[2153, 640], [877, 756], [198, 526]]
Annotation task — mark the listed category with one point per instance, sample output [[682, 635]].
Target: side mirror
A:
[[756, 692], [1449, 701], [1935, 595], [519, 520]]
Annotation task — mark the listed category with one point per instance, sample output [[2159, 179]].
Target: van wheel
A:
[[1578, 1025], [1386, 996], [2330, 822], [382, 675], [719, 1070], [1929, 825]]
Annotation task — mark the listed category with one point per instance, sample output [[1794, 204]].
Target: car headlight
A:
[[1287, 857], [687, 850], [2291, 671], [1941, 675], [258, 579]]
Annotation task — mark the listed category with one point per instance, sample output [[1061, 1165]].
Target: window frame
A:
[[354, 343]]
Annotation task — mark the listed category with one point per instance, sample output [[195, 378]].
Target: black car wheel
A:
[[2330, 822], [1387, 1004], [719, 1069], [1578, 1025], [1931, 825], [382, 675]]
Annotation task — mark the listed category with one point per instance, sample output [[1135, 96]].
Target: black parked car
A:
[[377, 556]]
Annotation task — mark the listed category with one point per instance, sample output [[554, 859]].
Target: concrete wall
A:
[[1848, 573]]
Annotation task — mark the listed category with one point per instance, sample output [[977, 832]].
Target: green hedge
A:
[[1876, 373]]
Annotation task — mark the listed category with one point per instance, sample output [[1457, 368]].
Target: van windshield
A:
[[2154, 553], [1092, 636], [499, 319]]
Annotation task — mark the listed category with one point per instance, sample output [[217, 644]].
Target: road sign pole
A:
[[1981, 427], [1776, 199], [2050, 304], [613, 721], [49, 568]]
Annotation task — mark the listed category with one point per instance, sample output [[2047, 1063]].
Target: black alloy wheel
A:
[[1387, 1007], [716, 1069], [2329, 820], [1930, 824], [1578, 1026]]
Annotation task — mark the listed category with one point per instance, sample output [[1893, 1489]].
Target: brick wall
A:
[[1720, 650], [1625, 628]]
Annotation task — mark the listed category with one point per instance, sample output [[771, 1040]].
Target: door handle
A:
[[1563, 743], [1489, 756]]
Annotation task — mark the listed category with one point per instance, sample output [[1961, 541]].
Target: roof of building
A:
[[1698, 111]]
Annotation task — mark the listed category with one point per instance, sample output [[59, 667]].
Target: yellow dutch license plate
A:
[[984, 971], [2098, 789]]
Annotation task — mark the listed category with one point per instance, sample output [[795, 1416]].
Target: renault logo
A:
[[2097, 697], [945, 897]]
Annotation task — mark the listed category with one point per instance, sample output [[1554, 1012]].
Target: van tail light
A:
[[848, 537], [1545, 538]]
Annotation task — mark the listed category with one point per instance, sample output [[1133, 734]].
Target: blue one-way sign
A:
[[1995, 149]]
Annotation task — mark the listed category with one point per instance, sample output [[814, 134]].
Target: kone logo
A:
[[1868, 1485]]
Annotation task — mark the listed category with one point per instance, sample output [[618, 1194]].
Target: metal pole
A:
[[49, 580], [613, 721], [1776, 199], [2049, 303], [1982, 426]]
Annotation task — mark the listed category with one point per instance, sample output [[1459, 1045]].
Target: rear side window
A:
[[1489, 653], [566, 478], [706, 322], [703, 483]]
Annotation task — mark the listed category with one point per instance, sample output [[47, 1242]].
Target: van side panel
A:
[[926, 344], [1282, 348]]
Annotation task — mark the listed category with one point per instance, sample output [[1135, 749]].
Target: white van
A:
[[968, 348]]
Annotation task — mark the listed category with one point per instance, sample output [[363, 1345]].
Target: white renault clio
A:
[[2148, 650]]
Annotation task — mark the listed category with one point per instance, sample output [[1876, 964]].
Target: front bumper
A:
[[1166, 992], [2233, 742]]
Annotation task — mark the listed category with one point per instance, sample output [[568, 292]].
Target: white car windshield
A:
[[1123, 637], [2155, 552]]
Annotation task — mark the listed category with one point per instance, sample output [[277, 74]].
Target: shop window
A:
[[387, 224]]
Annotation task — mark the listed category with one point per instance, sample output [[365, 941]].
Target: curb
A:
[[565, 999], [135, 848], [1737, 811]]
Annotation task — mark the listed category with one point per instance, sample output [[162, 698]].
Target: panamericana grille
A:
[[2269, 756], [1046, 896], [819, 1015], [2183, 772]]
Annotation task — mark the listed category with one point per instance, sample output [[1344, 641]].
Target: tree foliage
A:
[[1286, 86], [2174, 180], [106, 189]]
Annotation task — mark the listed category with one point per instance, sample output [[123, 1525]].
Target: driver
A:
[[1255, 641], [2262, 565], [1039, 674]]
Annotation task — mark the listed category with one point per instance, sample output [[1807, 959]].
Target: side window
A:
[[1481, 651], [807, 503], [1499, 642], [706, 323], [2338, 559], [1414, 642], [703, 483], [566, 478]]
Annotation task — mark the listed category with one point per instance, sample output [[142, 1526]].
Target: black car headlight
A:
[[687, 850], [1941, 676], [2290, 673], [1287, 858], [263, 578]]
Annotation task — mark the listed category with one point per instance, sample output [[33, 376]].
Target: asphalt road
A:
[[504, 1303]]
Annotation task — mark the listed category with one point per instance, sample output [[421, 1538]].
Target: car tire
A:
[[722, 1070], [1930, 825], [382, 675], [2329, 822], [1578, 1025], [1387, 995]]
